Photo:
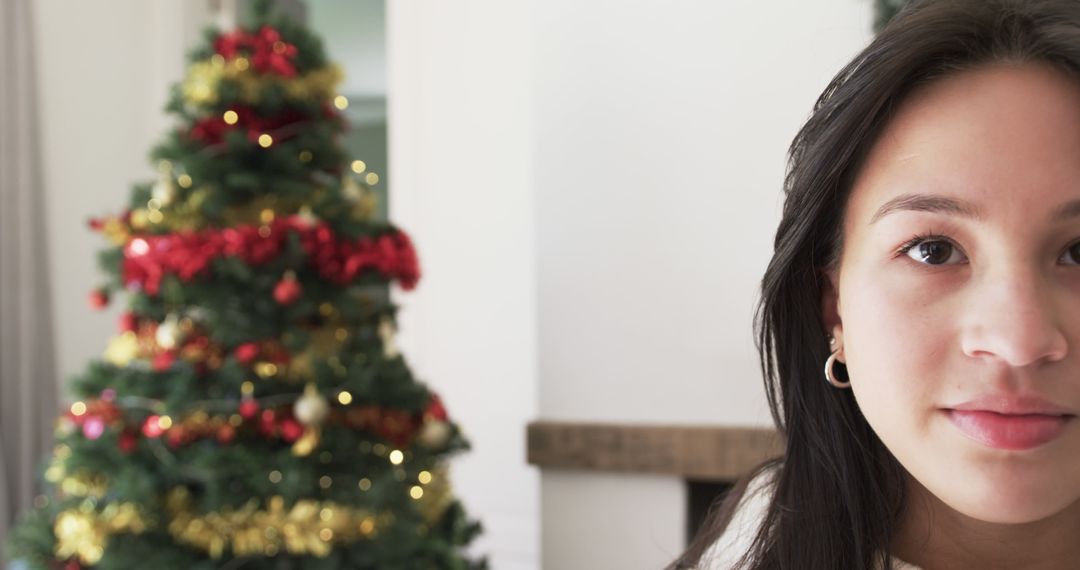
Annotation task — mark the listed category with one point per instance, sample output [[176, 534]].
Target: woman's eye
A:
[[935, 252], [1072, 252]]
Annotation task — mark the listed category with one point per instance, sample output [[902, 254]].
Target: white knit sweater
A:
[[736, 540]]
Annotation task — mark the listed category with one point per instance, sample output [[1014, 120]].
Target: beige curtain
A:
[[28, 387]]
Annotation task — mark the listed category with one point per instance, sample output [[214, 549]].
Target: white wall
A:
[[104, 70], [660, 139], [458, 101]]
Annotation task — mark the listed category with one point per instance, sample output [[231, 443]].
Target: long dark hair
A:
[[838, 492]]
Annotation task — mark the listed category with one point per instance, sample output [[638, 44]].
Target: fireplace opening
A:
[[702, 497]]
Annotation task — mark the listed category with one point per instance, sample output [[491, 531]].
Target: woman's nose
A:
[[1012, 317]]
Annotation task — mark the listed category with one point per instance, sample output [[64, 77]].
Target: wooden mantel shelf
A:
[[705, 453]]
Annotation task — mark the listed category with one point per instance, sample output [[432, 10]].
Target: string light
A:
[[424, 477], [345, 398], [371, 178], [416, 492], [367, 526], [358, 166], [230, 117], [184, 181], [266, 369], [341, 102], [305, 156], [396, 457], [275, 477], [265, 140], [78, 408], [325, 481], [365, 484], [241, 63]]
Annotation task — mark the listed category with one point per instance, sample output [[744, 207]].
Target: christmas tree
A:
[[253, 410], [884, 10]]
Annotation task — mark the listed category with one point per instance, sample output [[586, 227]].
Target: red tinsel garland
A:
[[188, 255], [265, 49]]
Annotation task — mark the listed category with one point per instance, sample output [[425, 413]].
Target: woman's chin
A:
[[1003, 497]]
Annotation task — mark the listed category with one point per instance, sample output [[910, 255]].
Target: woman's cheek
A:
[[895, 332]]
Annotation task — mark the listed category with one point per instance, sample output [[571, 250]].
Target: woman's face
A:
[[957, 296]]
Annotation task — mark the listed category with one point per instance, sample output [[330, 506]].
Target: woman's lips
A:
[[1013, 432]]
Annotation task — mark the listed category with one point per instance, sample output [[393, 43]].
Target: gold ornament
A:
[[122, 349], [307, 442]]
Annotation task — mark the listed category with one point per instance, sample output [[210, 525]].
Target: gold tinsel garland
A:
[[84, 532], [200, 86], [308, 527]]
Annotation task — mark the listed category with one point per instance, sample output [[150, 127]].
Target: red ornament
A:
[[127, 441], [163, 361], [268, 423], [176, 437], [291, 430], [288, 290], [249, 408], [246, 353], [127, 322], [99, 299]]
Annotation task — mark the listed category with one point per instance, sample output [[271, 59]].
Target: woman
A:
[[928, 260]]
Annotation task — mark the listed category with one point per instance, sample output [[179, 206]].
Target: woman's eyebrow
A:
[[957, 207], [928, 203]]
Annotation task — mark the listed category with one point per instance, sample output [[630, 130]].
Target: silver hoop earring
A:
[[829, 372]]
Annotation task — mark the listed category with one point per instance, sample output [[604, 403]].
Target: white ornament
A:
[[168, 333], [164, 191], [305, 218], [386, 333], [312, 408], [351, 189], [434, 434]]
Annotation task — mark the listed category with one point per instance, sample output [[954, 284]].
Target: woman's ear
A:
[[830, 303]]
